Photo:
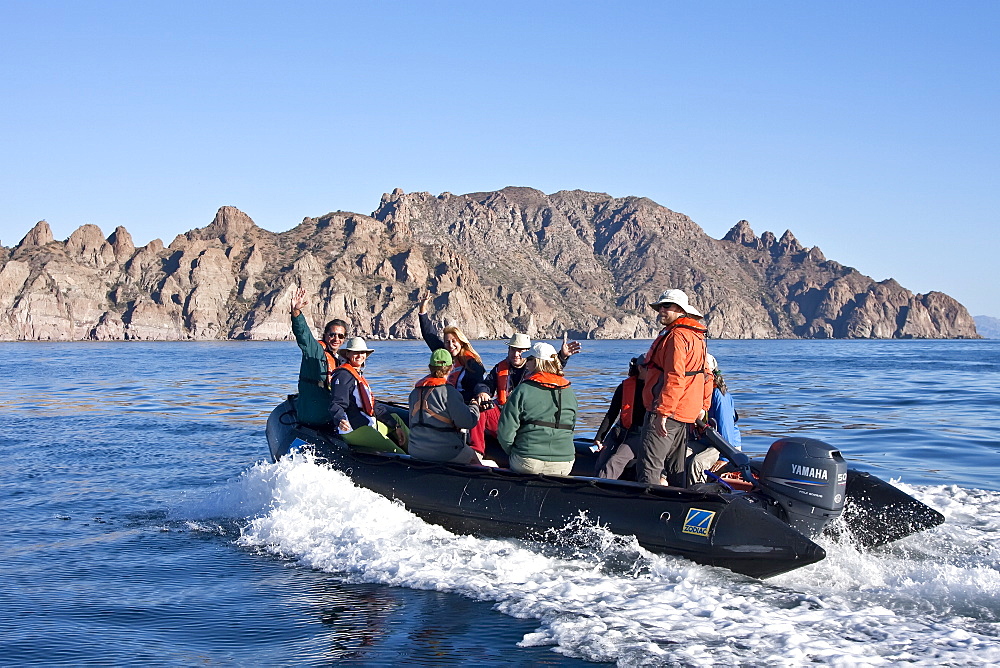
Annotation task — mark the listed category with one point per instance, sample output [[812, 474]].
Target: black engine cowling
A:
[[807, 479]]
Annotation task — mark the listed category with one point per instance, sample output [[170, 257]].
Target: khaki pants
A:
[[521, 464]]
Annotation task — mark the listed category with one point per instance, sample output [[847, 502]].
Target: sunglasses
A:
[[336, 335]]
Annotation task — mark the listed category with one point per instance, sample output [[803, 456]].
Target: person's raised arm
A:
[[568, 349], [299, 302], [431, 337]]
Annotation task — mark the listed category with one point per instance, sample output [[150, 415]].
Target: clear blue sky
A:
[[870, 129]]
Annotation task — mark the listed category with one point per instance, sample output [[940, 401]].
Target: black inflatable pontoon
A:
[[801, 487]]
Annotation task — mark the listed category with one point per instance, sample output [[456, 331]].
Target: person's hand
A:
[[483, 398], [660, 424], [599, 444], [569, 347], [344, 426], [401, 437], [299, 301], [424, 298]]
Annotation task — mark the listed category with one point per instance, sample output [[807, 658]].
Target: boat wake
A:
[[931, 598]]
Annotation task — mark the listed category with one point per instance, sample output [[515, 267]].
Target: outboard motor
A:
[[807, 479]]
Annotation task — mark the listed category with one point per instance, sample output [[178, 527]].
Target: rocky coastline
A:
[[494, 262]]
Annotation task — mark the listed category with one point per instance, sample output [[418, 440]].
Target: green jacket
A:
[[531, 403], [313, 406]]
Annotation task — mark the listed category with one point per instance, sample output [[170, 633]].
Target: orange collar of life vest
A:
[[431, 381], [549, 380], [364, 390]]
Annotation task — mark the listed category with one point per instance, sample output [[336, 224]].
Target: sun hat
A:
[[519, 341], [678, 297], [542, 351], [441, 357], [356, 344], [711, 362]]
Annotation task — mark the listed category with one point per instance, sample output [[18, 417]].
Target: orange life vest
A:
[[687, 323], [628, 401], [331, 366], [364, 391], [503, 382], [455, 376], [549, 380], [664, 393], [425, 385]]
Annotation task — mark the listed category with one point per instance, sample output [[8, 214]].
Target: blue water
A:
[[142, 524]]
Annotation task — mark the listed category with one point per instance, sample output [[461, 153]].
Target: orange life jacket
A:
[[550, 380], [687, 323], [628, 401], [364, 391], [503, 382], [425, 385], [331, 366], [665, 394]]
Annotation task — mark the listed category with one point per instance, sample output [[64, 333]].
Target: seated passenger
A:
[[437, 414], [618, 446], [318, 362], [358, 418], [702, 457], [467, 372], [723, 410], [537, 422]]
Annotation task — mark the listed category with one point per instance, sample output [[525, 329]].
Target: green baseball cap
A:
[[441, 357]]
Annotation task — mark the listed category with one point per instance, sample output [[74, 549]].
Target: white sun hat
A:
[[542, 351], [711, 362], [355, 344], [678, 297]]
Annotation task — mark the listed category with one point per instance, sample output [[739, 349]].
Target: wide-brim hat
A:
[[519, 341], [542, 351], [355, 344], [678, 297]]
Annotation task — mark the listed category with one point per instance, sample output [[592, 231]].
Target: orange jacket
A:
[[677, 383]]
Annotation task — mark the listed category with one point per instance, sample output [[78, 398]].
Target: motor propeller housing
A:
[[807, 479]]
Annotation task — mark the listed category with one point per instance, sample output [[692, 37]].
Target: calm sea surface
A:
[[142, 523]]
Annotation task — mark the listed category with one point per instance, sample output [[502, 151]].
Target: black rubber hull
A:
[[733, 531]]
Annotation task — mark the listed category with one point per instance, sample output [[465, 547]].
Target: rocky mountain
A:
[[494, 262], [988, 328]]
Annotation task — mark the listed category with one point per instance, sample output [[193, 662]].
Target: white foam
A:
[[929, 599]]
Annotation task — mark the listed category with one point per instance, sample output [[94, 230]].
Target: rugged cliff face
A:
[[496, 262]]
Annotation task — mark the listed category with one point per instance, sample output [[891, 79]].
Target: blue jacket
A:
[[724, 413]]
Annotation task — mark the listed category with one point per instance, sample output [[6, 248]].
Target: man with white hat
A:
[[678, 388]]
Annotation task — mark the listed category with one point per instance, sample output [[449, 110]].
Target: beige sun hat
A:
[[542, 351], [678, 297], [355, 344], [519, 341]]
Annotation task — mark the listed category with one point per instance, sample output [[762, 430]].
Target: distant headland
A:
[[494, 262]]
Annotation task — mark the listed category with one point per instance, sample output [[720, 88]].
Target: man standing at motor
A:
[[677, 390]]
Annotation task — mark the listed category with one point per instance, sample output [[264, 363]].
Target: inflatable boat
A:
[[759, 521]]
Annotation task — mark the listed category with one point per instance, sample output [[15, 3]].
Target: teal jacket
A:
[[314, 390], [529, 418]]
